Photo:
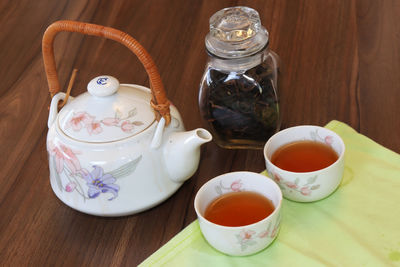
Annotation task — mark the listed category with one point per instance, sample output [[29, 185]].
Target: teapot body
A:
[[112, 178], [116, 149]]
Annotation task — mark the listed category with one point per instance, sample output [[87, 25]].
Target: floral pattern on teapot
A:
[[83, 120], [68, 171]]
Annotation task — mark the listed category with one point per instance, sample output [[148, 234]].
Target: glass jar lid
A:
[[107, 112], [236, 32]]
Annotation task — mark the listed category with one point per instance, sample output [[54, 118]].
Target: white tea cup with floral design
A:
[[311, 185], [239, 240]]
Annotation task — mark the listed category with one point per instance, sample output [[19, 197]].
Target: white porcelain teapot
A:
[[117, 149]]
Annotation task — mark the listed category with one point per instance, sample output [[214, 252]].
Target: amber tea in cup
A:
[[304, 156], [239, 209], [235, 193], [306, 161]]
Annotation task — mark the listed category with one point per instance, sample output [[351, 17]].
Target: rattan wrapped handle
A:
[[159, 102]]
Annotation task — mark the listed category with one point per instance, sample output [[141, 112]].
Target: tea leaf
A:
[[311, 180], [251, 242], [239, 238], [132, 112], [126, 169], [58, 180], [242, 105], [118, 114], [314, 187], [313, 136], [137, 123], [269, 227], [218, 190]]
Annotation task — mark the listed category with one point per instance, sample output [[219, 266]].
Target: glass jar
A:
[[238, 92]]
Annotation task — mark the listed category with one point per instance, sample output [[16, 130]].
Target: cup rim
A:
[[203, 187], [267, 144]]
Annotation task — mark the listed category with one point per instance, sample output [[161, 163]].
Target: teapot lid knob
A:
[[103, 86]]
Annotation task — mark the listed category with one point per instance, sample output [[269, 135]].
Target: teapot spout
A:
[[182, 153]]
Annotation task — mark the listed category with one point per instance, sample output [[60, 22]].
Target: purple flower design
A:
[[99, 182]]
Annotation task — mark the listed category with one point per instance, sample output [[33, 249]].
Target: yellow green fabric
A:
[[358, 225]]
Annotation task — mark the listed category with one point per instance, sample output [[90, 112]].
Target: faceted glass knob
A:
[[235, 24], [236, 32]]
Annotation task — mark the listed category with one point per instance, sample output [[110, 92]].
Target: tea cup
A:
[[306, 186], [239, 240]]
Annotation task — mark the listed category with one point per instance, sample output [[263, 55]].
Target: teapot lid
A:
[[107, 112]]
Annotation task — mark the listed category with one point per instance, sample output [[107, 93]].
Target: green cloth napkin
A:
[[358, 225]]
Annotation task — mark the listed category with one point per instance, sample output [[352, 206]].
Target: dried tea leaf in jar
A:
[[238, 93]]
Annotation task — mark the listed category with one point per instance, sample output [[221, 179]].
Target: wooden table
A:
[[341, 60]]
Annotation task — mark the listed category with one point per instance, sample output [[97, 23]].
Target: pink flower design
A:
[[82, 119], [329, 140], [304, 188], [277, 178], [127, 126], [94, 127], [79, 120], [245, 238], [291, 185], [246, 235], [306, 191], [274, 232], [110, 121], [236, 185], [263, 234], [70, 187], [64, 155]]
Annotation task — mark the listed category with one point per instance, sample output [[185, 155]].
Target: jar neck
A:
[[238, 64]]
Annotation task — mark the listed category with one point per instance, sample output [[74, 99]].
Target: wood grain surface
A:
[[340, 58]]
